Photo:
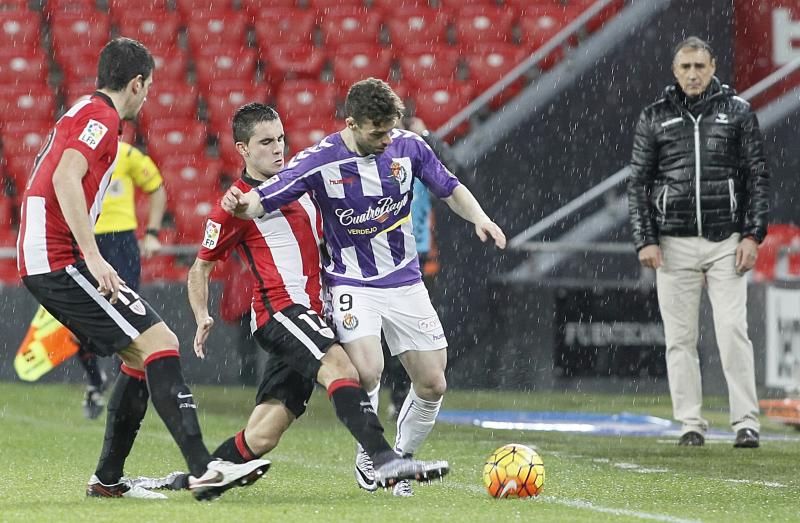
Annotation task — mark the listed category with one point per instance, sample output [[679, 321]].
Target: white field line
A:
[[588, 505], [760, 483]]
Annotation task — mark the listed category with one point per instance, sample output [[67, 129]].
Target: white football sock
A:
[[414, 422]]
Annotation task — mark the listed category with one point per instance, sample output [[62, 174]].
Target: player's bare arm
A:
[[67, 185], [198, 299], [157, 201], [246, 206], [464, 204]]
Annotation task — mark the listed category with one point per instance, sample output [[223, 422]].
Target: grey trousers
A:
[[687, 262]]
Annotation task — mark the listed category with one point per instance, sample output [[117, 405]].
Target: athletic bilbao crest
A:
[[212, 234]]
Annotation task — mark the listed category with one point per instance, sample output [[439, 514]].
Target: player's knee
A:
[[432, 388]]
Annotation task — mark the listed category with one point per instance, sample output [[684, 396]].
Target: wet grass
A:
[[48, 452]]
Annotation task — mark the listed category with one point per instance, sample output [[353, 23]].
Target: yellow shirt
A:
[[134, 169]]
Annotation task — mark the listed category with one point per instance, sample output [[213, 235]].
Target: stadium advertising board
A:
[[609, 332], [783, 338]]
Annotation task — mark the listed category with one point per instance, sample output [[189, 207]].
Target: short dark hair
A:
[[122, 60], [373, 100], [695, 43], [246, 118]]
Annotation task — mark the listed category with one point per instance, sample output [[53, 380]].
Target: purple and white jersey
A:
[[366, 205]]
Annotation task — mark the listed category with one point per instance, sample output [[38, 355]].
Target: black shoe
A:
[[746, 439], [692, 439]]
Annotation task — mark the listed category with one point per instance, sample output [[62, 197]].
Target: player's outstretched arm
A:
[[464, 204], [69, 192], [198, 299], [246, 206]]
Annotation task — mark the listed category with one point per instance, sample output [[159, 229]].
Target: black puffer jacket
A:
[[704, 159]]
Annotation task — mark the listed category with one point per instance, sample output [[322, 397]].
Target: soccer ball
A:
[[513, 471]]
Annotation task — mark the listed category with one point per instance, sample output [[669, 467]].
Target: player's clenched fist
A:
[[245, 206]]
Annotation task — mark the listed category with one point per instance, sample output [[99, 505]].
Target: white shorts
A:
[[405, 314]]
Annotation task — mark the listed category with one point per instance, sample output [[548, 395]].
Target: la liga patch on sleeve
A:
[[93, 133], [212, 234]]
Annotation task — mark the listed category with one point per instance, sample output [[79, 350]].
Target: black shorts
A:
[[286, 385], [121, 250], [71, 296], [296, 339]]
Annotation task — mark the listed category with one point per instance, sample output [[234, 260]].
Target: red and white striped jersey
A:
[[281, 249], [45, 242]]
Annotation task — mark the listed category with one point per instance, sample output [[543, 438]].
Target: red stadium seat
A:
[[606, 14], [79, 64], [22, 67], [167, 138], [56, 7], [350, 25], [488, 64], [323, 6], [218, 28], [26, 126], [224, 100], [18, 169], [355, 62], [79, 30], [6, 212], [309, 133], [155, 29], [225, 63], [421, 63], [417, 26], [190, 216], [13, 5], [480, 24], [188, 177], [437, 102], [128, 132], [232, 162], [300, 100], [254, 7], [34, 102], [120, 9], [162, 267], [19, 141], [19, 30], [294, 61], [170, 65], [190, 9], [539, 25], [170, 101], [284, 25], [467, 3], [390, 7], [75, 89]]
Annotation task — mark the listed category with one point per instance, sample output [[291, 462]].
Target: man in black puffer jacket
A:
[[698, 200]]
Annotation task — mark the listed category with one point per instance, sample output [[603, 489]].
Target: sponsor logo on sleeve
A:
[[93, 133], [212, 234]]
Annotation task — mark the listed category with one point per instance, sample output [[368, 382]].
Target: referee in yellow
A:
[[116, 237]]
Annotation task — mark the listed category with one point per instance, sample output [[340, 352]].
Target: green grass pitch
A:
[[48, 452]]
